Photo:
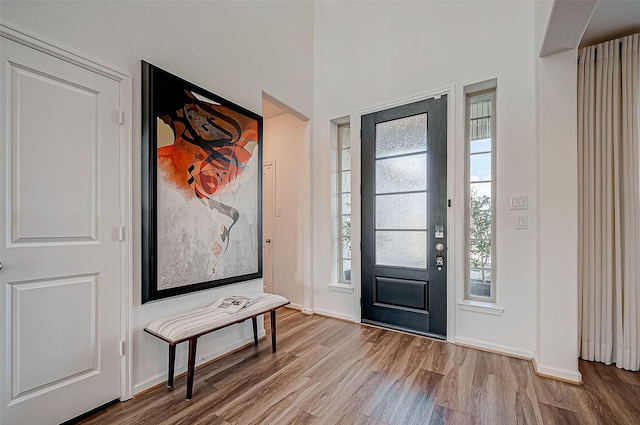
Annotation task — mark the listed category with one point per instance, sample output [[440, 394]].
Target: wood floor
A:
[[328, 371]]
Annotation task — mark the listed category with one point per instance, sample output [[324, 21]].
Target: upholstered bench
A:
[[193, 324]]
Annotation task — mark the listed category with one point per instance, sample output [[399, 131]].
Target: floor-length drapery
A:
[[609, 202]]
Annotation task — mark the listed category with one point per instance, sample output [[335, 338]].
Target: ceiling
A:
[[612, 19]]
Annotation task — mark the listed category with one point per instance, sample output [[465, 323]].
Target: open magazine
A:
[[234, 303]]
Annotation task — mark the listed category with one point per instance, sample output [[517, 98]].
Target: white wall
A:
[[234, 49], [557, 316], [285, 143], [371, 54]]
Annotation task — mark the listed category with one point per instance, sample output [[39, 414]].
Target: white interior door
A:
[[268, 207], [59, 238]]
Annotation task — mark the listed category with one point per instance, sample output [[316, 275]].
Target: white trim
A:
[[335, 315], [488, 87], [356, 201], [341, 287], [273, 222], [453, 255], [555, 372], [496, 348], [337, 198], [11, 32], [481, 307], [126, 100], [294, 306], [126, 300]]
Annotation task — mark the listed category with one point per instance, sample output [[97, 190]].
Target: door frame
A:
[[454, 255], [126, 100], [273, 219]]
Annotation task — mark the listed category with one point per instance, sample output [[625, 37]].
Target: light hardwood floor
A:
[[328, 371]]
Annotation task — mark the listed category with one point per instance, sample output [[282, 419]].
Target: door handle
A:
[[439, 259]]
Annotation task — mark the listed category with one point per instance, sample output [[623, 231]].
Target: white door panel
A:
[[59, 245], [42, 139], [70, 322]]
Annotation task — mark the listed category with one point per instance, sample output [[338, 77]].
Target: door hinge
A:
[[121, 117], [360, 301], [121, 232], [360, 245], [448, 202], [360, 134], [122, 348]]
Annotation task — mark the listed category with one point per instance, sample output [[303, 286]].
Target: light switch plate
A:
[[523, 222], [520, 202]]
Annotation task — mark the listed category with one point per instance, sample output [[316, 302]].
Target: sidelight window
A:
[[344, 203], [480, 205]]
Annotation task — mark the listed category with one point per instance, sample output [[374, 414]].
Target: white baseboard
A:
[[496, 348], [567, 375], [295, 306], [202, 358], [347, 317]]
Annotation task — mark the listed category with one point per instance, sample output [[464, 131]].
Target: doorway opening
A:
[[285, 218]]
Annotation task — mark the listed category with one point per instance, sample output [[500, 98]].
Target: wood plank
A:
[[259, 388], [486, 401], [442, 415], [520, 402], [365, 420], [552, 392], [609, 395], [418, 404], [552, 415], [437, 359], [455, 390], [346, 408]]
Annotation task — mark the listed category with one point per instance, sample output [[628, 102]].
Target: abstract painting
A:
[[201, 188]]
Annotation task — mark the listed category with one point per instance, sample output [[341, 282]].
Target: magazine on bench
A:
[[234, 303]]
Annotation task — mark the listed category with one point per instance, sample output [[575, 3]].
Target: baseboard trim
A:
[[334, 315], [559, 374], [494, 348]]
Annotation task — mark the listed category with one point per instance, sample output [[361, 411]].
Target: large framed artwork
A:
[[201, 188]]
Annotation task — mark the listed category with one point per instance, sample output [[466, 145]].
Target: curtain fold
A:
[[609, 202]]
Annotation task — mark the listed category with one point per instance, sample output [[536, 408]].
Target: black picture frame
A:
[[219, 134]]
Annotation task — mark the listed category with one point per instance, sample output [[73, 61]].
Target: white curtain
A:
[[609, 202]]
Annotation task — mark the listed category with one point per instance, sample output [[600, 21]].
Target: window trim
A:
[[341, 280], [470, 92]]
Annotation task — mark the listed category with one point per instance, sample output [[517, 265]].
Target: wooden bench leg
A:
[[254, 322], [192, 366], [273, 330], [172, 364]]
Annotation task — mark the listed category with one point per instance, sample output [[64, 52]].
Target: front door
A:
[[60, 284], [404, 217]]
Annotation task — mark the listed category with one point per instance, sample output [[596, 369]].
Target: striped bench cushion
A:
[[198, 322]]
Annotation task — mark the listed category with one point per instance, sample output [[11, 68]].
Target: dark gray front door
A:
[[404, 217]]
